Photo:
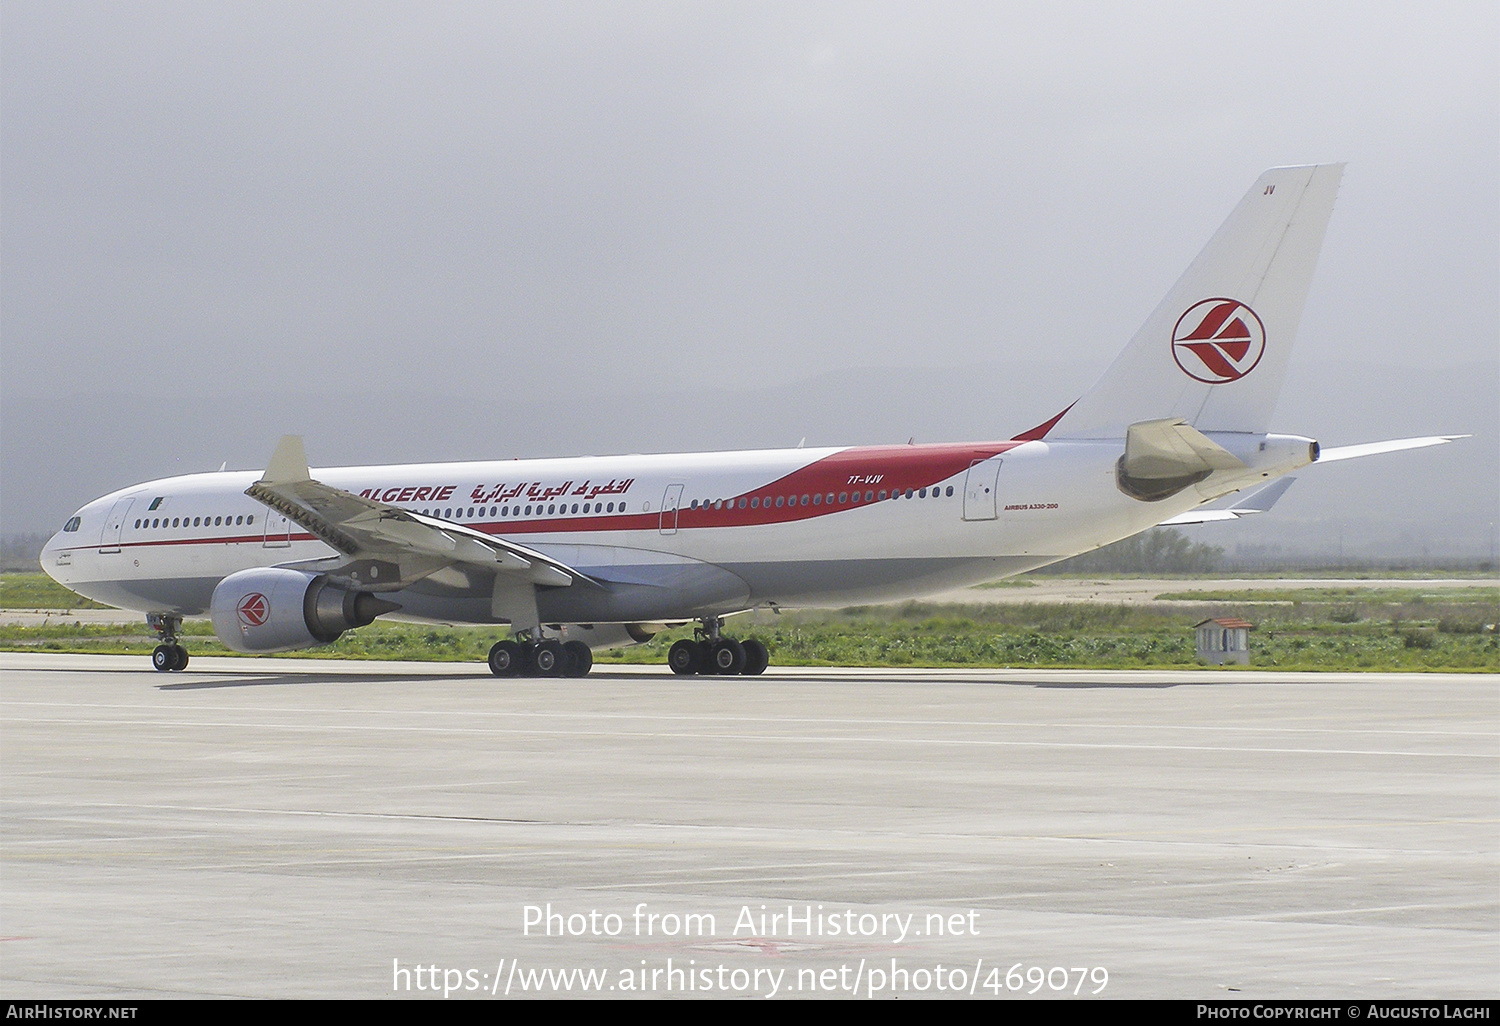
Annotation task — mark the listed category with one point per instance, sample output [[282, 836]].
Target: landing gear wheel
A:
[[757, 657], [683, 658], [578, 659], [182, 658], [506, 659], [547, 659], [727, 657], [164, 658]]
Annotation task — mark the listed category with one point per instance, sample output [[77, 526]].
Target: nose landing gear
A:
[[169, 656]]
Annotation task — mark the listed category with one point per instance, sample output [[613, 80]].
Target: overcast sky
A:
[[319, 202]]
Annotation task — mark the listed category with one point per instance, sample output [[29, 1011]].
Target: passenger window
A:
[[779, 500], [250, 520], [882, 494], [950, 491]]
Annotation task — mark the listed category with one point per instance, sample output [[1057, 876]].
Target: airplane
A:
[[563, 556]]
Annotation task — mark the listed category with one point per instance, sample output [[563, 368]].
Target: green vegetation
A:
[[1160, 550], [1465, 594], [1455, 637], [38, 591], [1443, 628]]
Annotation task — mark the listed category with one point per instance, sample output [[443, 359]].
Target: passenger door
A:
[[981, 489]]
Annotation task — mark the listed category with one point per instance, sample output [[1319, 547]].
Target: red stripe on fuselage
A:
[[894, 469]]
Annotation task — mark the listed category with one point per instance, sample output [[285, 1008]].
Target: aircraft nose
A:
[[56, 558]]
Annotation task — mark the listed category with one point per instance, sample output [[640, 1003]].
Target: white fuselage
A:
[[667, 537]]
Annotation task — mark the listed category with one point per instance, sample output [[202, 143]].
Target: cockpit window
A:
[[72, 525]]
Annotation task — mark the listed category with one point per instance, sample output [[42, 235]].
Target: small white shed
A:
[[1225, 639]]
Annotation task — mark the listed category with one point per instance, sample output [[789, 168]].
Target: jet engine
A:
[[277, 610]]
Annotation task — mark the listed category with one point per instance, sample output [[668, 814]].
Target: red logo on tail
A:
[[1218, 340], [253, 609]]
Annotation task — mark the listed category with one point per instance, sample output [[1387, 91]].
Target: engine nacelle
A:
[[278, 610]]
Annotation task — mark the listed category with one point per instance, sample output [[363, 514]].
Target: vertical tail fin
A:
[[1214, 351]]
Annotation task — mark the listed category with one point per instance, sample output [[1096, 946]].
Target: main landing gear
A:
[[169, 656], [542, 657], [711, 653]]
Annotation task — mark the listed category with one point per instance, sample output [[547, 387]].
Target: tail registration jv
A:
[[565, 555]]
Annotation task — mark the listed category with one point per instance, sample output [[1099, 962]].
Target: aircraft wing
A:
[[383, 547], [1258, 501]]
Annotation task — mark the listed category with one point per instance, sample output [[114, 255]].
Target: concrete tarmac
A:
[[295, 828]]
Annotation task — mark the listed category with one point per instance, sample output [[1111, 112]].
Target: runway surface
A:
[[297, 828]]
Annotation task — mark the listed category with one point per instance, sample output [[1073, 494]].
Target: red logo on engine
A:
[[253, 609], [1218, 340]]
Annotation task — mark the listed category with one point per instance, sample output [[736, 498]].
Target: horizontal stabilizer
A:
[[1349, 452], [1257, 501]]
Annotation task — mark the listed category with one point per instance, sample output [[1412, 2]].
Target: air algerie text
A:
[[484, 494], [426, 493]]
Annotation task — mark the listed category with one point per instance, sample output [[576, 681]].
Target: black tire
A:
[[164, 659], [684, 658], [727, 657], [757, 657], [547, 659], [182, 658], [578, 659], [506, 659]]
